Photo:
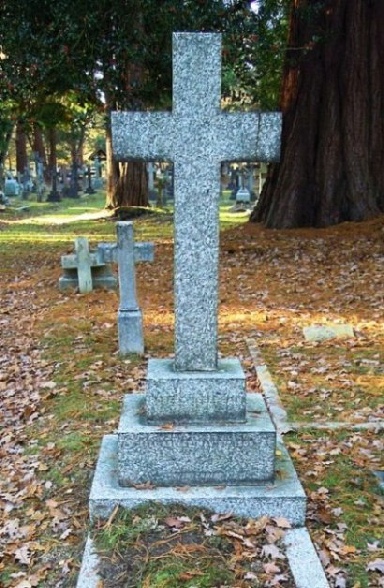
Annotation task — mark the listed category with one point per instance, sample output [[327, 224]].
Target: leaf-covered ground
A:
[[62, 381]]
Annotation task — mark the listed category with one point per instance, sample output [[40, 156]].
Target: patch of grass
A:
[[158, 546], [346, 512]]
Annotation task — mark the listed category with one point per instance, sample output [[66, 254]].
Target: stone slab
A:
[[102, 277], [284, 497], [88, 576], [195, 455], [303, 560], [195, 397], [130, 331], [330, 331]]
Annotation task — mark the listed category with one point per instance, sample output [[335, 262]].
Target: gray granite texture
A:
[[88, 576], [197, 137], [195, 397], [130, 331], [85, 269], [195, 455], [143, 251], [284, 497], [329, 331], [303, 560]]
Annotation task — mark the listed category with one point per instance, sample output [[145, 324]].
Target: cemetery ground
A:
[[62, 382]]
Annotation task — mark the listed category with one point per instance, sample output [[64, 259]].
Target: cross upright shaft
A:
[[197, 137]]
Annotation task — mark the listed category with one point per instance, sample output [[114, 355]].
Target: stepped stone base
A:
[[130, 331], [285, 497], [102, 277], [197, 455], [195, 397]]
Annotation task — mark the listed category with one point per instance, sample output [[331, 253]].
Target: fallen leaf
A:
[[376, 566]]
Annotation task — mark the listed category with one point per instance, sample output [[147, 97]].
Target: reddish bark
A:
[[332, 156], [21, 148], [132, 187]]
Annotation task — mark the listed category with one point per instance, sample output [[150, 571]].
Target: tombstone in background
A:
[[11, 187], [97, 181], [85, 269], [40, 183], [88, 270], [221, 443], [127, 253], [243, 196]]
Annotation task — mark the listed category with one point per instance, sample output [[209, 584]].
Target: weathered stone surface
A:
[[284, 497], [330, 331], [196, 136], [195, 455], [102, 277], [195, 397], [107, 252], [84, 275], [130, 331], [85, 269], [303, 560]]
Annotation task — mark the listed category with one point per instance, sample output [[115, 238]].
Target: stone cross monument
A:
[[197, 137], [196, 426]]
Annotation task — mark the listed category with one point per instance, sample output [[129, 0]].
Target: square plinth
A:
[[195, 397], [168, 455]]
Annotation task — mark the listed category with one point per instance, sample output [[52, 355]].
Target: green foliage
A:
[[123, 50]]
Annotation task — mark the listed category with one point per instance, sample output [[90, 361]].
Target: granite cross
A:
[[84, 262], [126, 253], [197, 136]]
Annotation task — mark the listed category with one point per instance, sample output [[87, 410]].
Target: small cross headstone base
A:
[[130, 329], [102, 277]]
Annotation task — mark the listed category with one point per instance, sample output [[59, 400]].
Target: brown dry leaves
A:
[[272, 284]]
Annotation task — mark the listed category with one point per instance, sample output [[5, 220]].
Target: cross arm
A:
[[251, 136], [142, 135], [107, 252]]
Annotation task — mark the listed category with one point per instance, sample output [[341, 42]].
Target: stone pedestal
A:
[[195, 397], [130, 331], [102, 277], [226, 464]]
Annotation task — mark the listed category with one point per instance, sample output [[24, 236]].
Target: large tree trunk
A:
[[54, 195], [38, 146], [332, 155], [21, 149], [112, 172], [132, 187]]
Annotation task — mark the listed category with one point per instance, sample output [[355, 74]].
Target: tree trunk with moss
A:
[[332, 156]]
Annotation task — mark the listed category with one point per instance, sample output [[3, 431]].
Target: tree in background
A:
[[113, 53], [332, 157]]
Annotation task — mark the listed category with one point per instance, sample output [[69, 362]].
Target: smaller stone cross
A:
[[126, 252], [86, 269], [84, 275]]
